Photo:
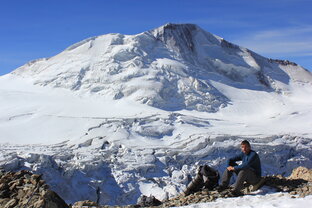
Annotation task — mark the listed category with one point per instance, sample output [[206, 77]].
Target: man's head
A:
[[245, 147]]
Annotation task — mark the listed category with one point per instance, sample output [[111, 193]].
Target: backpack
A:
[[210, 176], [148, 201]]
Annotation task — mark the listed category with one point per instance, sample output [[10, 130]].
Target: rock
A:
[[24, 189], [5, 193], [301, 173], [20, 194], [39, 203], [4, 179], [52, 200], [148, 201], [4, 186], [13, 186], [12, 203], [41, 182], [81, 204], [27, 176], [4, 200]]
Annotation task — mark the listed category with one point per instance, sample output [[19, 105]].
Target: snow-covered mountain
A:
[[116, 116], [172, 68]]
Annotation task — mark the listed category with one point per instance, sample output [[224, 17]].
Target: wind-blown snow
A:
[[131, 115]]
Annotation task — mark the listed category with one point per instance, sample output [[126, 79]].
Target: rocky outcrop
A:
[[282, 62], [299, 187], [25, 189], [86, 203], [301, 173]]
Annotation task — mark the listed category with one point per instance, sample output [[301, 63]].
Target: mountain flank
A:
[[173, 67]]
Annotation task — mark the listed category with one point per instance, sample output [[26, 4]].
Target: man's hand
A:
[[230, 168]]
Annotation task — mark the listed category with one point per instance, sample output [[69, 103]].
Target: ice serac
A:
[[172, 67]]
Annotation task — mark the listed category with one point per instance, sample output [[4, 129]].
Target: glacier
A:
[[117, 116]]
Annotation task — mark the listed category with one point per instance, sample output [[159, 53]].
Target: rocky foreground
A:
[[25, 189]]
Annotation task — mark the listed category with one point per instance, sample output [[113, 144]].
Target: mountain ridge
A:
[[169, 67]]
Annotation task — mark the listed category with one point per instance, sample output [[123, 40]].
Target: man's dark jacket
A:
[[250, 160]]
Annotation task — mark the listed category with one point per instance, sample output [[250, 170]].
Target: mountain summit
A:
[[172, 67]]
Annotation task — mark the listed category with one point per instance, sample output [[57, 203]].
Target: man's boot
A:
[[258, 185], [194, 186]]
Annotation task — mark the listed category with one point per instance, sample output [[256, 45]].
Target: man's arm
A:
[[247, 164], [238, 157], [232, 160]]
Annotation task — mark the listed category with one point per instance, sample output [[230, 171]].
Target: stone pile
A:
[[25, 189]]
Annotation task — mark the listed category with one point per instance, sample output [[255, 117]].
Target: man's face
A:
[[245, 148]]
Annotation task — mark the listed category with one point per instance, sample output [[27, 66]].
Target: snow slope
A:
[[276, 200], [117, 116]]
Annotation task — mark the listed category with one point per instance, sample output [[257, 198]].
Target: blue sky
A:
[[31, 29]]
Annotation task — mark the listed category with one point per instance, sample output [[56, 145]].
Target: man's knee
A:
[[242, 172], [246, 171], [248, 175]]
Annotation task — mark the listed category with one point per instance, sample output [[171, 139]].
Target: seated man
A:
[[249, 171]]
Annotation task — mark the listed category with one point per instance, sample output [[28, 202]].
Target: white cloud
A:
[[295, 41], [285, 32]]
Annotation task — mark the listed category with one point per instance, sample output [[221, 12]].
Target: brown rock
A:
[[27, 190], [45, 186], [4, 180], [34, 181], [11, 182], [4, 186], [301, 173], [21, 173], [41, 182], [26, 181], [35, 178], [21, 194], [4, 201], [80, 204], [293, 193], [13, 186], [27, 176], [39, 204], [52, 200], [12, 203]]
